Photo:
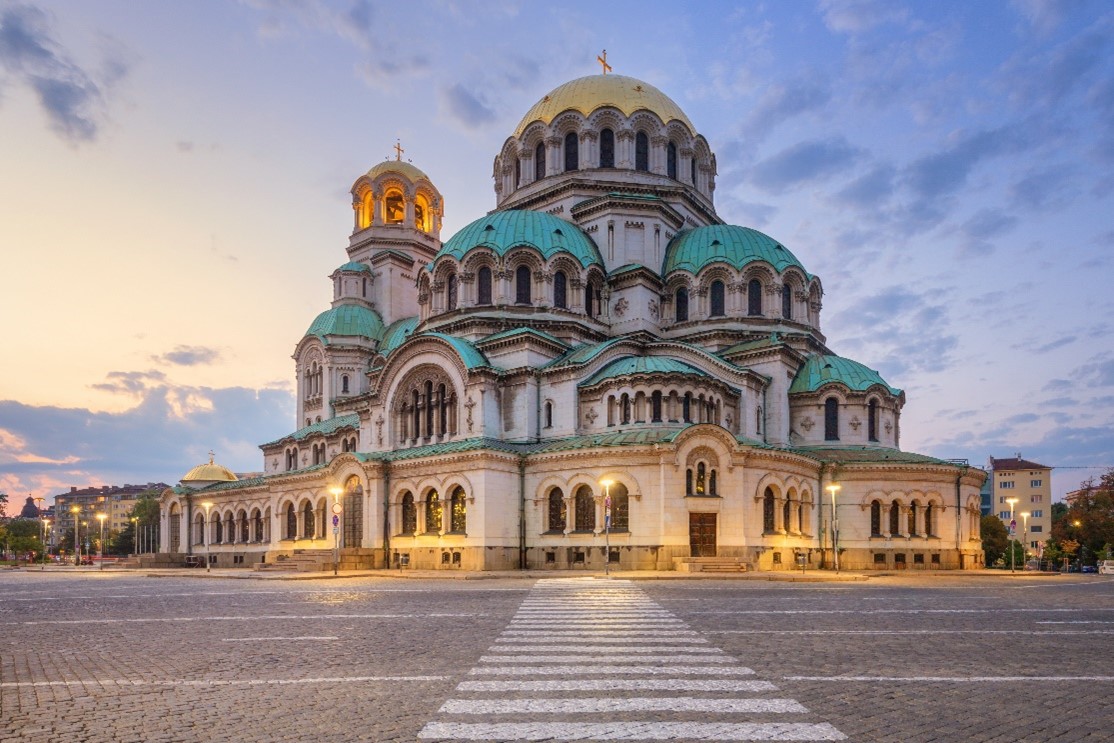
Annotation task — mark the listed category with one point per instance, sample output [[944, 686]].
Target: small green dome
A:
[[355, 266], [502, 231], [631, 365], [694, 249], [397, 333], [347, 320], [820, 370]]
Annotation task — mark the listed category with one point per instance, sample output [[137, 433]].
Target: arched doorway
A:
[[353, 512]]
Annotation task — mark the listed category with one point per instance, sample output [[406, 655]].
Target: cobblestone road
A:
[[121, 657]]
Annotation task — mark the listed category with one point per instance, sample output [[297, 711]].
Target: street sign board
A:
[[336, 520], [336, 530]]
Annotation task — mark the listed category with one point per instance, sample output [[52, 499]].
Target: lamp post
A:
[[205, 534], [1013, 527], [833, 489], [100, 545], [135, 533], [76, 510], [46, 531], [39, 509], [337, 508], [607, 483], [1025, 544]]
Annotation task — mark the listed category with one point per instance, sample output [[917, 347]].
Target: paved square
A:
[[123, 657]]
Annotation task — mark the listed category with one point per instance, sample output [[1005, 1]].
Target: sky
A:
[[174, 191]]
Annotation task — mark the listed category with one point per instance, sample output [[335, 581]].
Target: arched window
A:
[[428, 409], [307, 521], [257, 525], [483, 285], [585, 509], [692, 171], [557, 510], [686, 408], [421, 213], [681, 304], [433, 512], [344, 383], [875, 519], [416, 409], [517, 172], [548, 414], [624, 407], [929, 521], [218, 529], [912, 520], [591, 295], [768, 511], [522, 285], [717, 299], [620, 507], [831, 419], [754, 297], [641, 151], [786, 301], [560, 290], [243, 524], [409, 514], [450, 292], [394, 209], [895, 519], [712, 483], [655, 406], [786, 512], [872, 420], [539, 161], [365, 289], [607, 149], [572, 152], [688, 481], [458, 521], [367, 208], [701, 475], [291, 522], [671, 160], [442, 410]]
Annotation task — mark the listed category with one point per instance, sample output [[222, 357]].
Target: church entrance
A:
[[702, 534], [353, 513]]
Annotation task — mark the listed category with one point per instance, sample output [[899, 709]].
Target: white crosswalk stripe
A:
[[582, 635]]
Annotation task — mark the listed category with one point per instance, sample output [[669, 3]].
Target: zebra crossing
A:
[[588, 659]]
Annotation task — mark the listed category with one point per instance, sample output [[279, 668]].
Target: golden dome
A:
[[586, 94], [209, 472], [405, 169]]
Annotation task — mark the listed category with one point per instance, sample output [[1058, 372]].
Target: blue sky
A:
[[175, 193]]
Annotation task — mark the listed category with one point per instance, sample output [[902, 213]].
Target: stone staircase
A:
[[709, 565], [302, 561]]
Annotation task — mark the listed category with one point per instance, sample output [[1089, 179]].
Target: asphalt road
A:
[[123, 657]]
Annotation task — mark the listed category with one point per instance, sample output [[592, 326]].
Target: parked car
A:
[[1106, 567], [1089, 569]]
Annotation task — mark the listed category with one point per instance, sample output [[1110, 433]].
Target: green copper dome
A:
[[355, 266], [501, 231], [347, 320], [820, 370], [641, 365], [694, 249]]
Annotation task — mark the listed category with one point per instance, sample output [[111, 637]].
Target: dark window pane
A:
[[572, 152], [671, 161], [522, 285], [641, 151], [831, 419], [450, 292], [682, 304], [786, 302], [754, 297], [607, 149], [560, 290], [539, 161], [717, 299], [483, 288]]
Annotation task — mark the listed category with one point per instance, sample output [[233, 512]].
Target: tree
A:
[[23, 536], [1089, 519], [994, 538]]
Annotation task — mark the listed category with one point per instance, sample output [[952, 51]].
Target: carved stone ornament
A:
[[621, 306], [889, 426], [274, 463], [379, 428], [468, 405], [652, 307], [728, 419], [855, 423], [591, 415], [807, 424]]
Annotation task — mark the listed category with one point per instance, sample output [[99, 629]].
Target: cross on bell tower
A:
[[603, 62], [398, 149]]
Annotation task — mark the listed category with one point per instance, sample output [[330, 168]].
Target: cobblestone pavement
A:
[[122, 657]]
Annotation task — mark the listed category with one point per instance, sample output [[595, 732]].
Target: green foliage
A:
[[1089, 519], [994, 538]]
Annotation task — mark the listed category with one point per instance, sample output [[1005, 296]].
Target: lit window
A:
[[1035, 483], [394, 210]]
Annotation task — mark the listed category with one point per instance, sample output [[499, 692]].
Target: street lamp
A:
[[75, 510], [205, 534], [1025, 544], [1013, 528], [100, 545], [833, 489], [135, 534], [39, 509], [337, 508], [46, 531], [607, 483]]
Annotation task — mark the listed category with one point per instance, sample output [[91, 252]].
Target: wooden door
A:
[[702, 534]]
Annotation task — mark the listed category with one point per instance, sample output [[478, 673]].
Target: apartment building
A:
[[1029, 485]]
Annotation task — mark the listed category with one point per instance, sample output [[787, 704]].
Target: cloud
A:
[[942, 173], [782, 102], [48, 448], [869, 190], [1098, 371], [189, 356], [857, 16], [67, 94], [1045, 80], [1045, 16], [466, 107], [1046, 188], [980, 227], [805, 162]]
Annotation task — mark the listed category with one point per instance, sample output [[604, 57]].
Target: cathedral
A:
[[599, 373]]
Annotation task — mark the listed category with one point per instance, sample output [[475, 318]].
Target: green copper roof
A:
[[355, 266], [525, 331], [501, 231], [820, 370], [870, 455], [347, 320], [468, 353], [397, 333], [582, 354], [641, 365], [694, 249], [325, 428]]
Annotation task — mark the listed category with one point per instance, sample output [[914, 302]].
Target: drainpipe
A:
[[521, 511], [386, 516]]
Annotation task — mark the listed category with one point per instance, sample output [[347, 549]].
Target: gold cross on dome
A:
[[603, 62], [398, 149]]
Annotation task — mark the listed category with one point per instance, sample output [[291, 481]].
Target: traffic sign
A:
[[337, 508], [336, 530], [336, 520]]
